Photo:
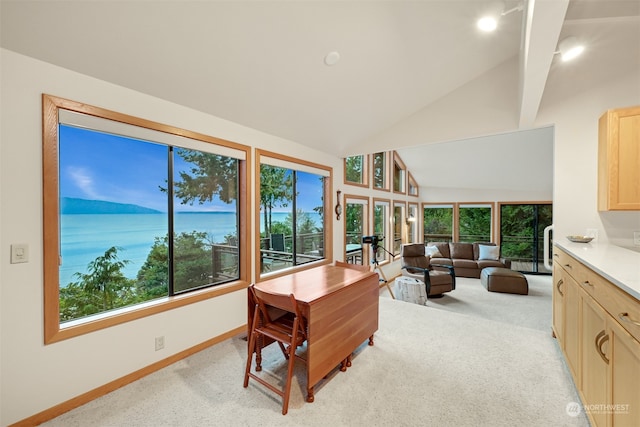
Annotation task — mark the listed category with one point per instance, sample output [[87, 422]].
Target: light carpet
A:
[[430, 366]]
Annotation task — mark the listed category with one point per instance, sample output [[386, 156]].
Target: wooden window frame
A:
[[403, 227], [53, 332], [329, 202], [387, 226], [366, 165], [385, 173], [397, 160], [411, 182], [365, 226]]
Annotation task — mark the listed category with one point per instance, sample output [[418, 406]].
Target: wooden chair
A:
[[288, 330]]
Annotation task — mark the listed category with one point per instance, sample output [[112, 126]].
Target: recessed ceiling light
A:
[[332, 58], [570, 48], [488, 23]]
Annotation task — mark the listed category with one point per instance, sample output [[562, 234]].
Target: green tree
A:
[[354, 168], [104, 287], [192, 261], [153, 276], [438, 222], [353, 222], [379, 170], [475, 224], [275, 191], [210, 174], [192, 267]]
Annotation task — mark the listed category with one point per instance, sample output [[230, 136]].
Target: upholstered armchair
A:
[[417, 265]]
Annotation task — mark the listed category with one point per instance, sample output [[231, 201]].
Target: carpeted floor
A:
[[471, 358], [472, 299]]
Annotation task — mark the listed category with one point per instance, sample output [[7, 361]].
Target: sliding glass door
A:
[[522, 235]]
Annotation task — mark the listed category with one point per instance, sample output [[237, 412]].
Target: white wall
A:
[[576, 161], [35, 377]]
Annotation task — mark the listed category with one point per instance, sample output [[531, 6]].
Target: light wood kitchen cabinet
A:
[[572, 313], [619, 160], [598, 329], [625, 377], [595, 365], [558, 303]]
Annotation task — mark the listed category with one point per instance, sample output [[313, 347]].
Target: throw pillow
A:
[[432, 251], [489, 252]]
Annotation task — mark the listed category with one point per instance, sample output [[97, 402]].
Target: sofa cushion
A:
[[476, 248], [443, 247], [432, 251], [461, 250], [484, 263], [465, 263], [486, 252]]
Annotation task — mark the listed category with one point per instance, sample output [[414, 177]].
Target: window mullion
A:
[[294, 218], [170, 217]]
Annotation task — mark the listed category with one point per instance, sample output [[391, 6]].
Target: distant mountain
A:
[[70, 206]]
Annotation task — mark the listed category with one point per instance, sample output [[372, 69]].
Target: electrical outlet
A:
[[159, 343], [636, 238]]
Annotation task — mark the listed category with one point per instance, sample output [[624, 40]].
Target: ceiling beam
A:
[[542, 27]]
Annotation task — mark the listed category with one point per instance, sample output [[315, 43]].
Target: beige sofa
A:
[[467, 259]]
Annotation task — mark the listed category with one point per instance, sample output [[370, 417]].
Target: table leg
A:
[[349, 361], [258, 359], [310, 397], [371, 340]]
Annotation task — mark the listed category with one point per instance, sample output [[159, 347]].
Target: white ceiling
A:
[[411, 72]]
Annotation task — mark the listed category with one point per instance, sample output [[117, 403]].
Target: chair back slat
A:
[[288, 303]]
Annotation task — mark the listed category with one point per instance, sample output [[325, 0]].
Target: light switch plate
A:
[[19, 253]]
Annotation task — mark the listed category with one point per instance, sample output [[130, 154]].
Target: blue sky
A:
[[98, 166]]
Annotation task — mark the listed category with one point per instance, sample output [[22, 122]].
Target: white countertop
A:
[[619, 265]]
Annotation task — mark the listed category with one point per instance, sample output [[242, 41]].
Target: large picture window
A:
[[438, 223], [134, 214], [292, 204], [474, 224], [522, 234]]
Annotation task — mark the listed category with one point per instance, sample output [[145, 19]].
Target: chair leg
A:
[[292, 359], [251, 348]]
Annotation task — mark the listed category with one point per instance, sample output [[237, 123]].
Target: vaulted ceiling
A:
[[410, 73]]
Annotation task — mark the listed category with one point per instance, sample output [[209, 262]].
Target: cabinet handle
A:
[[626, 318], [556, 255], [560, 282], [602, 338], [588, 283], [568, 265]]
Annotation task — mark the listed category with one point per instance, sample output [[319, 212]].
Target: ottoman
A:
[[497, 279], [410, 290]]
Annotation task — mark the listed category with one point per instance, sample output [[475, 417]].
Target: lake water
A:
[[85, 237]]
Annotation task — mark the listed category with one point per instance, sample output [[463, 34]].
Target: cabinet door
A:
[[594, 360], [558, 303], [572, 327], [619, 160], [625, 378]]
